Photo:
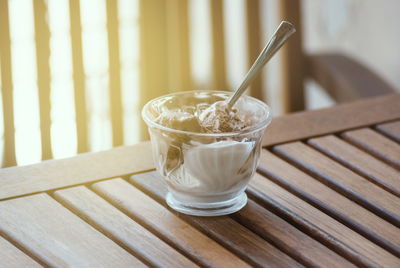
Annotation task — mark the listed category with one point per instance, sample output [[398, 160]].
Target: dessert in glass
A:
[[205, 152]]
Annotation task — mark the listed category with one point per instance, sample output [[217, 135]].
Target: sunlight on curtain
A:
[[129, 58], [272, 72], [63, 127], [26, 109], [201, 45], [236, 40], [93, 17], [1, 126], [95, 59]]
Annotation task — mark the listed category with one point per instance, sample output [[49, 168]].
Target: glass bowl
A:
[[206, 173]]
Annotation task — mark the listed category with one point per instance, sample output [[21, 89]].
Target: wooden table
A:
[[326, 194]]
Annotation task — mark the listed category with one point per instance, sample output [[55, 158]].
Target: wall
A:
[[367, 30]]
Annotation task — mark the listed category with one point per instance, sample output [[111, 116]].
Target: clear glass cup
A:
[[206, 173]]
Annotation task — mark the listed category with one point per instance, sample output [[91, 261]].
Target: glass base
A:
[[208, 209]]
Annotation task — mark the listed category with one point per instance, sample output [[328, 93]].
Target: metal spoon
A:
[[284, 31], [210, 118]]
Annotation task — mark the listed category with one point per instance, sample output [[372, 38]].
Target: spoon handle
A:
[[284, 31]]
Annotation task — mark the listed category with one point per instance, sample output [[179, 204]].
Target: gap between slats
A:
[[146, 258], [309, 229], [341, 188], [354, 167], [158, 197], [152, 230], [393, 135], [73, 185], [325, 208], [44, 208], [281, 245], [153, 216], [98, 227], [24, 250], [379, 146]]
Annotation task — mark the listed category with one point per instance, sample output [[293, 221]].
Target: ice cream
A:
[[214, 118], [206, 151]]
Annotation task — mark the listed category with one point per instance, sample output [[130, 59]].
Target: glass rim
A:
[[260, 125]]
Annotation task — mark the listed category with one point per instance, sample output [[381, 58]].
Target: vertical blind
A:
[[75, 73]]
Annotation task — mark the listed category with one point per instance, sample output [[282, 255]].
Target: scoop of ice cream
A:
[[220, 118], [180, 120], [206, 118]]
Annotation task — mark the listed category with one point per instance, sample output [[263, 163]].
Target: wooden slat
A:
[[327, 121], [224, 230], [78, 76], [179, 75], [344, 78], [42, 40], [11, 256], [391, 130], [343, 180], [332, 203], [376, 144], [122, 229], [288, 238], [83, 168], [273, 229], [153, 67], [218, 45], [292, 59], [254, 44], [357, 160], [315, 223], [58, 237], [114, 73], [7, 87], [89, 167], [165, 224]]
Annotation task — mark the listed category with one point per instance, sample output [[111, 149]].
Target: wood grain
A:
[[122, 229], [330, 202], [166, 224], [226, 231], [362, 163], [78, 77], [320, 226], [341, 117], [287, 238], [90, 167], [345, 79], [343, 180], [375, 144], [11, 256], [391, 130], [9, 158], [83, 168], [58, 237], [279, 233]]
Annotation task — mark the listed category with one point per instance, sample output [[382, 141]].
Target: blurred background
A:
[[76, 73]]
